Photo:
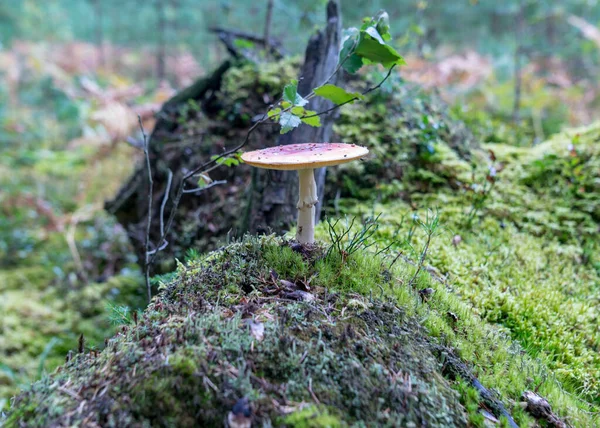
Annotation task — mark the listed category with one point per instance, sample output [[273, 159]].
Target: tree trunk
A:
[[275, 193], [99, 32], [519, 33], [162, 28], [267, 33]]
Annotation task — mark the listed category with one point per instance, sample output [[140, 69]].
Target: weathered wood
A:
[[275, 193], [454, 367], [130, 204], [228, 38]]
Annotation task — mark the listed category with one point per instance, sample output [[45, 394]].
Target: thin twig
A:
[[164, 202], [351, 100], [149, 221], [208, 186]]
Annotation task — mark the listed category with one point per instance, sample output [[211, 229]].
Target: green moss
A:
[[409, 132], [529, 263], [312, 417], [190, 357], [363, 334], [39, 327]]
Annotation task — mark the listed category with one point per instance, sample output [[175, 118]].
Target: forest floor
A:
[[510, 284]]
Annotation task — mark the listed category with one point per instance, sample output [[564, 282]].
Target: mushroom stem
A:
[[306, 206]]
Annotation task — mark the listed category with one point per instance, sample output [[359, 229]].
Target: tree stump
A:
[[275, 193]]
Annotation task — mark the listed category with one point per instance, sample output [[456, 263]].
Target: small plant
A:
[[347, 243], [482, 191], [118, 314], [431, 227]]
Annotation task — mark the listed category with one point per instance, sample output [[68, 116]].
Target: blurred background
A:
[[75, 74]]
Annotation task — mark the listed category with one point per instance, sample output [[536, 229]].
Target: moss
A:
[[312, 417], [413, 140], [528, 264], [39, 327], [362, 334], [190, 357], [46, 301]]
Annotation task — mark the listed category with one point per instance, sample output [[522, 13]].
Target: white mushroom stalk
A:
[[305, 234], [305, 158]]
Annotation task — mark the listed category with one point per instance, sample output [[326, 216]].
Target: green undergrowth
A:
[[42, 320], [62, 260], [408, 132], [311, 338], [528, 261]]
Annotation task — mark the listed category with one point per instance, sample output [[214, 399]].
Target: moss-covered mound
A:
[[228, 328], [308, 336]]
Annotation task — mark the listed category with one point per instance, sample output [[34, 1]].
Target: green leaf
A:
[[372, 50], [312, 121], [336, 94], [382, 20], [286, 104], [274, 113], [288, 122], [231, 160], [372, 31], [290, 94], [298, 111], [290, 91], [351, 62], [243, 44]]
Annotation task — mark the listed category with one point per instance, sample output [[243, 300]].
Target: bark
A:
[[99, 31], [268, 19], [161, 33], [519, 33], [275, 193]]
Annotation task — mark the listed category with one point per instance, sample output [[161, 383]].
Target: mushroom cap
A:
[[304, 156]]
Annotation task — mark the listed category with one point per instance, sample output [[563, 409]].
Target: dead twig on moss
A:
[[538, 407], [149, 221], [455, 367]]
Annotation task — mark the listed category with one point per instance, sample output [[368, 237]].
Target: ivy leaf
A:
[[372, 50], [288, 122], [312, 121], [291, 95], [336, 94]]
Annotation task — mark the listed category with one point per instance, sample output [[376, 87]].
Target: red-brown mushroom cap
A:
[[304, 156]]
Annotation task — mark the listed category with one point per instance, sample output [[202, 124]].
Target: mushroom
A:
[[305, 158]]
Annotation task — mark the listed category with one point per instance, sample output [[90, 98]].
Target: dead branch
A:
[[228, 38], [147, 262]]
